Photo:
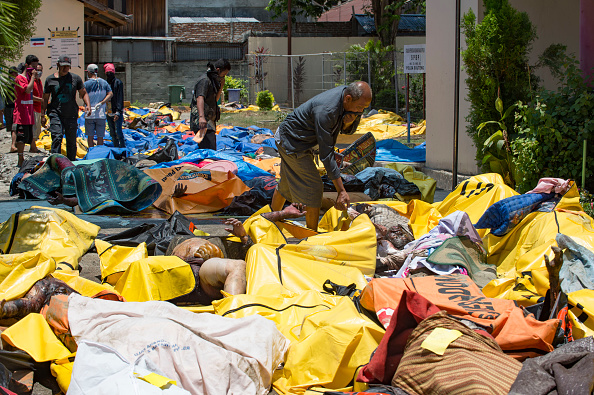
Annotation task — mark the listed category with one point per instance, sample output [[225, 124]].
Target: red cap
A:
[[109, 68]]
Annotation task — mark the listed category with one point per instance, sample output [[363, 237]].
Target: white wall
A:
[[67, 14], [440, 65], [556, 22]]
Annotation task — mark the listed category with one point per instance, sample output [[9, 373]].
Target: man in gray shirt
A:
[[317, 122]]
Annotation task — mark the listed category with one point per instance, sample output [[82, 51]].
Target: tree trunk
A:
[[387, 17]]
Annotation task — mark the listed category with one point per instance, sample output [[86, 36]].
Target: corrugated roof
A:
[[412, 23], [201, 19]]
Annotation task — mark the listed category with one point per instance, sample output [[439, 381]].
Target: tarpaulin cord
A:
[[13, 233], [272, 308], [280, 267], [107, 249]]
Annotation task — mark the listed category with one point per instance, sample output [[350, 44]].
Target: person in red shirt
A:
[[37, 101], [23, 105]]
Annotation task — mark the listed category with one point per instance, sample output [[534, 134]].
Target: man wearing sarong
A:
[[317, 122]]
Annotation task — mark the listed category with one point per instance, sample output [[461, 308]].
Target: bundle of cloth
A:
[[102, 184]]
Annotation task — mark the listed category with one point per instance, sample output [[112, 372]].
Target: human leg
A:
[[112, 131], [70, 128], [24, 136], [90, 132], [9, 116], [278, 201], [36, 132], [209, 141], [312, 214], [57, 133], [120, 133], [217, 274], [100, 130]]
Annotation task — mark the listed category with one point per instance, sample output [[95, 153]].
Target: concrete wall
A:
[[556, 22], [318, 68], [148, 82], [221, 8], [52, 16]]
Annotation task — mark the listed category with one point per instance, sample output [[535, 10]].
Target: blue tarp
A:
[[104, 152], [394, 151]]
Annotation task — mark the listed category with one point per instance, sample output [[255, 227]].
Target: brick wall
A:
[[237, 32]]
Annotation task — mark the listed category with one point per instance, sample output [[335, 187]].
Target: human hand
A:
[[116, 117], [295, 210], [237, 228], [35, 74], [342, 201], [97, 106], [57, 199], [88, 111], [180, 190], [43, 120], [202, 124]]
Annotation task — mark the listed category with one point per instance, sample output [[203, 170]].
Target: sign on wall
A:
[[414, 59], [37, 41], [64, 42]]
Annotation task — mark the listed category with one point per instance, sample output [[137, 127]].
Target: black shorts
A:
[[24, 134]]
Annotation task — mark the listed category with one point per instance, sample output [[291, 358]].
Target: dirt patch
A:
[[8, 163]]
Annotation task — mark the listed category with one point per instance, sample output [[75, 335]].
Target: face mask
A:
[[39, 73]]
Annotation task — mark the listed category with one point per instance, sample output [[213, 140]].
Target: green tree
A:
[[17, 25], [306, 8], [386, 14], [496, 61]]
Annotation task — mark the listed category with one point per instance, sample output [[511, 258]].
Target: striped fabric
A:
[[472, 364]]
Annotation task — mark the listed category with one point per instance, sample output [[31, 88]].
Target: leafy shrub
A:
[[385, 99], [496, 60], [265, 100], [552, 130], [236, 83], [587, 202], [382, 67]]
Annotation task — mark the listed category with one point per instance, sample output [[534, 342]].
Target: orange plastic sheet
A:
[[271, 165], [518, 335], [207, 191]]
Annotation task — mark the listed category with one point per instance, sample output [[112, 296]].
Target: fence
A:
[[295, 79]]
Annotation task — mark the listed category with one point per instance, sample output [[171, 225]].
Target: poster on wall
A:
[[64, 42]]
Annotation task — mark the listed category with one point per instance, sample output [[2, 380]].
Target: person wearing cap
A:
[[23, 111], [317, 122], [115, 116], [62, 109], [99, 93]]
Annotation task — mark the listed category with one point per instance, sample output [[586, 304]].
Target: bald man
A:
[[317, 122]]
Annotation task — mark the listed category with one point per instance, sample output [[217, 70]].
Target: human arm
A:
[[325, 121], [201, 116], [82, 93], [342, 199]]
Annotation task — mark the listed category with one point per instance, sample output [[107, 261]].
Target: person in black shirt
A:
[[62, 110], [204, 109], [115, 115]]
